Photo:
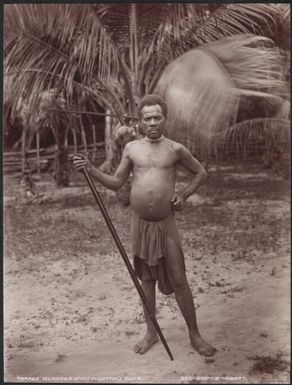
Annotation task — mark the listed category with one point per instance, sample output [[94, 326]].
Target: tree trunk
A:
[[38, 152], [94, 142], [23, 150], [72, 128], [74, 140], [83, 136], [62, 164], [112, 150]]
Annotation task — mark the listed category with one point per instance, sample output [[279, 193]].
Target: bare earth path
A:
[[72, 314]]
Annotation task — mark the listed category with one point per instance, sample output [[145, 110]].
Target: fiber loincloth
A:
[[149, 248]]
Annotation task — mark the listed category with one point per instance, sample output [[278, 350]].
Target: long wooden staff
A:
[[126, 260]]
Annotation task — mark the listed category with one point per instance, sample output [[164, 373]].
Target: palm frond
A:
[[203, 86], [253, 63], [217, 22], [107, 52], [284, 110], [200, 95], [238, 18], [64, 52], [282, 34], [285, 13], [204, 24], [95, 94], [118, 18], [265, 134]]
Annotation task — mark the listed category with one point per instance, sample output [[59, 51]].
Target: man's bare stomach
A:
[[151, 195]]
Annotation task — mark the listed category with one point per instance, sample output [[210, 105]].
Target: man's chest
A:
[[149, 155]]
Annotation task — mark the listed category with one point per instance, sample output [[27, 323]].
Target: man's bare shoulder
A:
[[130, 144], [173, 145], [181, 151], [133, 145]]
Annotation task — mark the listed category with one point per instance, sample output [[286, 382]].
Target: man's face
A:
[[153, 121]]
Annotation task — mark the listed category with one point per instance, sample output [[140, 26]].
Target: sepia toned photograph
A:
[[146, 193]]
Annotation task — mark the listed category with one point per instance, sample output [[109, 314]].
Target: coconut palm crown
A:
[[200, 57]]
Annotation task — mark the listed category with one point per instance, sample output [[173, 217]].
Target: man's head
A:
[[151, 100], [152, 112]]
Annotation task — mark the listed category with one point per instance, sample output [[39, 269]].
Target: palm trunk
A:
[[112, 152], [83, 136], [23, 150], [74, 140], [62, 165], [94, 142], [38, 152], [108, 164], [73, 130], [130, 77]]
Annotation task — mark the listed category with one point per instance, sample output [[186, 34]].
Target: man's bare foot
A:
[[201, 346], [145, 344]]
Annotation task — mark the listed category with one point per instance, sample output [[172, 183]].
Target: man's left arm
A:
[[190, 163]]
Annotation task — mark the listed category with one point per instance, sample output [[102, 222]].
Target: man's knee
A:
[[179, 281]]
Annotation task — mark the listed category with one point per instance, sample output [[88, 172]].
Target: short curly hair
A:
[[151, 100]]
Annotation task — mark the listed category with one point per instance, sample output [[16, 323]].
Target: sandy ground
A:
[[72, 314]]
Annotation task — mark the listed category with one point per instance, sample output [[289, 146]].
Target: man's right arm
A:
[[112, 182]]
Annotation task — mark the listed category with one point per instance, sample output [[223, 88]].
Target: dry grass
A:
[[268, 364]]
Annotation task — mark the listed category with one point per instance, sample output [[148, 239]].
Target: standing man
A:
[[156, 244]]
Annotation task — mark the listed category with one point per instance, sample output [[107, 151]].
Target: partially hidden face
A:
[[152, 121]]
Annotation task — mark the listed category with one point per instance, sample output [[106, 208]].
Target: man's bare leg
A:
[[184, 298], [151, 337]]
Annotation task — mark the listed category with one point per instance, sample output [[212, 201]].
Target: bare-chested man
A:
[[156, 244]]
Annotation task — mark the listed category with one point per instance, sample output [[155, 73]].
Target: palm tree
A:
[[113, 54]]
